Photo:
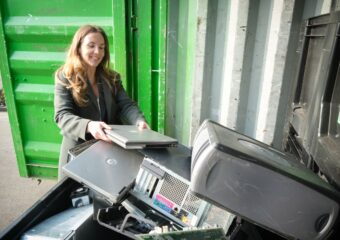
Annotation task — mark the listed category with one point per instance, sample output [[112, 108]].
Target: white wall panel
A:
[[245, 63], [233, 62], [274, 66]]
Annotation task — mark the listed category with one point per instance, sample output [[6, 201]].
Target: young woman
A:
[[88, 94]]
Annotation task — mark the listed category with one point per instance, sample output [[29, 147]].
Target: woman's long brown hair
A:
[[74, 69]]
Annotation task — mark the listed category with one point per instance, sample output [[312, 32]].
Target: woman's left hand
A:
[[142, 125]]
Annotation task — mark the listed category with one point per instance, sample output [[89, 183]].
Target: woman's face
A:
[[92, 49]]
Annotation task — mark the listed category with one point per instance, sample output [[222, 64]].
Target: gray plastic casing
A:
[[261, 184]]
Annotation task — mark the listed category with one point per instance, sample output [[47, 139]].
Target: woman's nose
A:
[[96, 49]]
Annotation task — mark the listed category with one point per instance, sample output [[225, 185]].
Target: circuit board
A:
[[197, 234]]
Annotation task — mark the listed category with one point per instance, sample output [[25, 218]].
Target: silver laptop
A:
[[130, 137], [106, 168]]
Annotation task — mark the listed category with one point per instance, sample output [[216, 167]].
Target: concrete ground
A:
[[16, 193]]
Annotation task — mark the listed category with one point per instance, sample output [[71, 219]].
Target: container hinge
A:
[[134, 23]]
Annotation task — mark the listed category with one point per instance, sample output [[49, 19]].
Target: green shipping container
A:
[[34, 36]]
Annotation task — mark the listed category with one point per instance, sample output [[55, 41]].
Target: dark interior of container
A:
[[56, 201]]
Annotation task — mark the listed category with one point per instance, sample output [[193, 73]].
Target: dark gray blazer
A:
[[73, 119]]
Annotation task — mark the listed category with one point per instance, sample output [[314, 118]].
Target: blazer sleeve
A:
[[65, 113], [129, 113]]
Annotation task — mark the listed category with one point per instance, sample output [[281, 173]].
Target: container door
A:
[[146, 46], [33, 40]]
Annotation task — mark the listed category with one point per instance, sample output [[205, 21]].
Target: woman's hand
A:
[[97, 130], [142, 125]]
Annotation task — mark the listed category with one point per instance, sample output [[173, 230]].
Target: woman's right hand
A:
[[97, 130]]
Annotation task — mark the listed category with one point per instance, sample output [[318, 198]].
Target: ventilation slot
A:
[[174, 189], [192, 204]]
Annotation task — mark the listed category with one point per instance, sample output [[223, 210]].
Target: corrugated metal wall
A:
[[234, 62]]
